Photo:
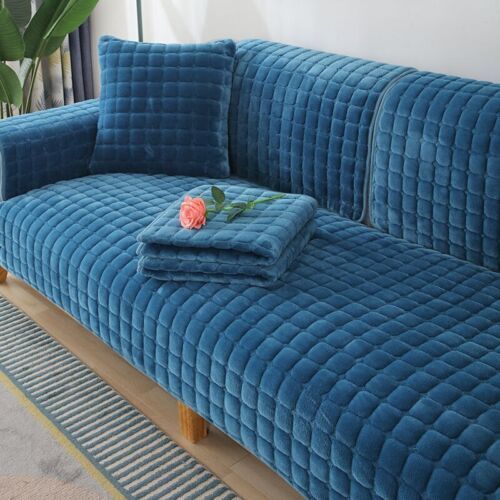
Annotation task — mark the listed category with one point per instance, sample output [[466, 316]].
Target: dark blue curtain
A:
[[81, 63]]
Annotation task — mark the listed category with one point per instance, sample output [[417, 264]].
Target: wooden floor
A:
[[241, 471]]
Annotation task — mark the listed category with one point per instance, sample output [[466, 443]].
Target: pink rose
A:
[[193, 213]]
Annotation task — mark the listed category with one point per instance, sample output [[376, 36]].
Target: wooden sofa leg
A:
[[193, 427], [3, 275]]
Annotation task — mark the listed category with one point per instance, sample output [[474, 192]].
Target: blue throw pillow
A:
[[164, 108]]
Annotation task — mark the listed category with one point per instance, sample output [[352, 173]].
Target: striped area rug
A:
[[128, 449]]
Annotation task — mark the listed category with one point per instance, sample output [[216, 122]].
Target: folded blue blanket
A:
[[256, 248]]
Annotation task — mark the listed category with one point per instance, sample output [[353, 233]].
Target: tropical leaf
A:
[[20, 11], [52, 22], [11, 41], [75, 14], [52, 44], [11, 91], [39, 26]]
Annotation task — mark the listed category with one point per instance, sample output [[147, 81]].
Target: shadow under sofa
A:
[[371, 369]]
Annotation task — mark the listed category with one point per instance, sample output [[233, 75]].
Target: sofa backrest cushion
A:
[[436, 165], [299, 121]]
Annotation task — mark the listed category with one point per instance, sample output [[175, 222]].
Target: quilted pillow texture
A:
[[255, 248], [164, 108]]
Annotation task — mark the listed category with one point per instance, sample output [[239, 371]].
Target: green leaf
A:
[[42, 22], [52, 22], [218, 195], [52, 44], [234, 213], [74, 15], [20, 11], [11, 41], [11, 91]]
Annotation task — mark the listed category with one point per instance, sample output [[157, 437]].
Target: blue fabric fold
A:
[[256, 248]]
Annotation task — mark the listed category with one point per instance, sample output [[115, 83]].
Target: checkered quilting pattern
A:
[[265, 230], [220, 266], [371, 370], [255, 248], [436, 166], [299, 121], [164, 108], [45, 147]]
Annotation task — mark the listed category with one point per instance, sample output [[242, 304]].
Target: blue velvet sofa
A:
[[371, 370]]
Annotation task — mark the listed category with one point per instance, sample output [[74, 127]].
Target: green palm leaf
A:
[[10, 86], [11, 41], [52, 22], [20, 11], [74, 15], [39, 26]]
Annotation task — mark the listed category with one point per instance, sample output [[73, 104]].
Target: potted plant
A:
[[27, 40]]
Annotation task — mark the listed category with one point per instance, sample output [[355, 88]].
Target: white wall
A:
[[460, 37]]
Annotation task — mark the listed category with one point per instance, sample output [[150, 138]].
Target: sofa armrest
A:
[[46, 147]]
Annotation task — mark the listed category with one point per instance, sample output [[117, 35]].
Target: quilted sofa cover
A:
[[436, 165], [300, 121], [369, 371], [50, 146]]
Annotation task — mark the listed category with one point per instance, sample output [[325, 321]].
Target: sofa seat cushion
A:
[[369, 370]]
